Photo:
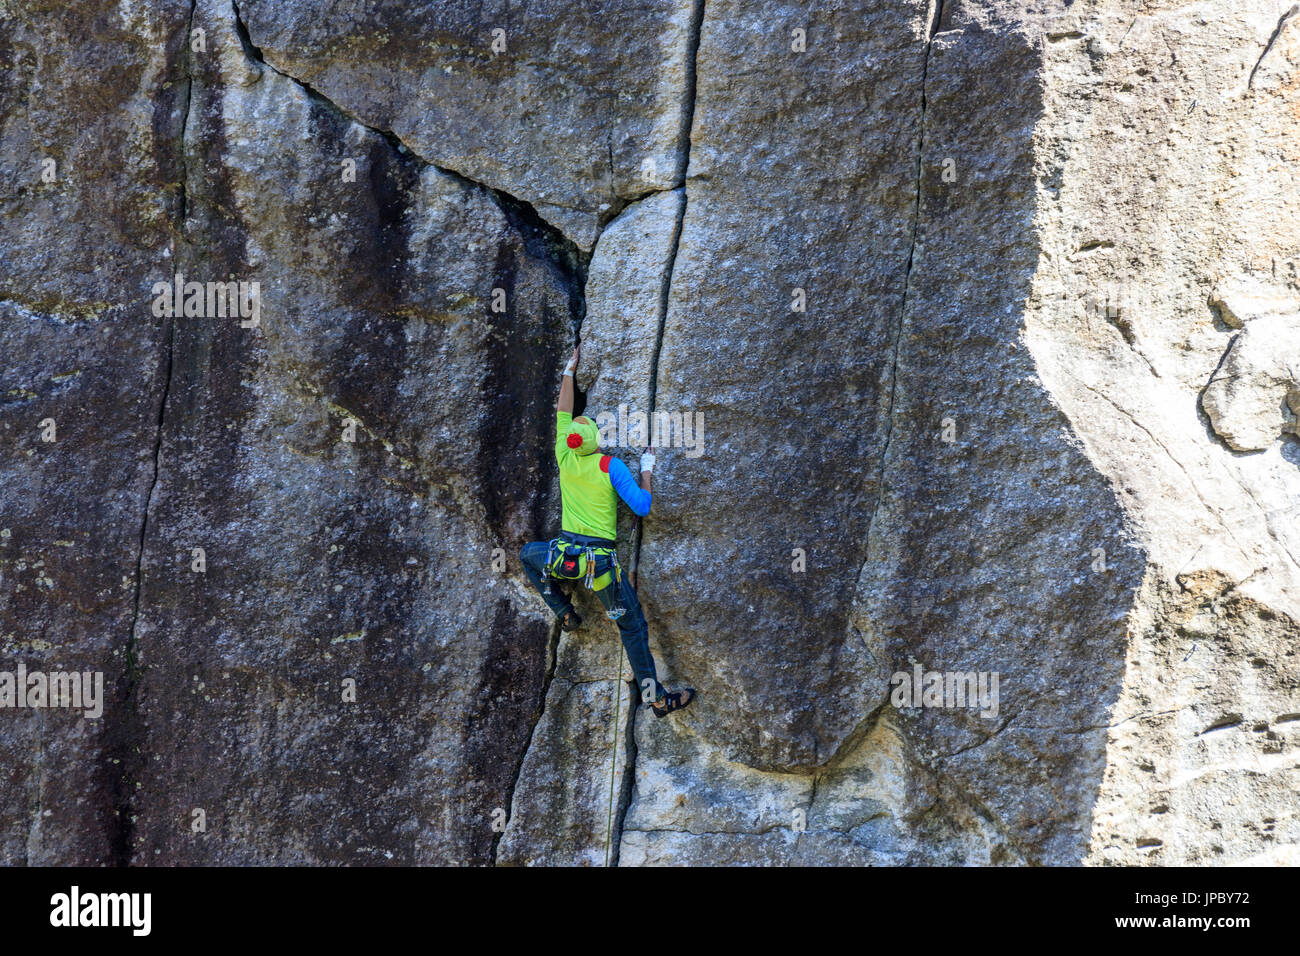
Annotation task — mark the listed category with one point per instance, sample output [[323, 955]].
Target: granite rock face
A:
[[964, 330], [574, 108], [83, 365]]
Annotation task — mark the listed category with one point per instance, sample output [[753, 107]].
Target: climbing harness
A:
[[571, 561]]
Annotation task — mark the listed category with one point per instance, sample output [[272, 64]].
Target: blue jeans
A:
[[632, 625]]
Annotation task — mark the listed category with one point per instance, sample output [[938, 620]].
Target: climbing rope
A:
[[613, 756]]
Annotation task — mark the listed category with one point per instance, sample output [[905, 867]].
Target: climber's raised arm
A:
[[565, 403]]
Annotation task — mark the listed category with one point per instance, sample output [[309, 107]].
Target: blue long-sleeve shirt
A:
[[637, 498]]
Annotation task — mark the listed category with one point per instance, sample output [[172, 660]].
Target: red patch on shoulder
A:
[[604, 463]]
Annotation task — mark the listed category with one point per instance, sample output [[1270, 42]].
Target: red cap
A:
[[575, 440]]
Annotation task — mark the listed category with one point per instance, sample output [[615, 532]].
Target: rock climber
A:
[[590, 485]]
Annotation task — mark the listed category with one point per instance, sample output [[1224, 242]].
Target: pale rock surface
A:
[[1251, 397]]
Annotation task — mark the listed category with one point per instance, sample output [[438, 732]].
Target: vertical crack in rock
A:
[[684, 158], [124, 730], [553, 654], [907, 279], [692, 86], [665, 291], [665, 286], [1277, 31], [625, 785]]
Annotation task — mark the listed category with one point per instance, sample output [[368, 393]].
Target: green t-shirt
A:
[[590, 502]]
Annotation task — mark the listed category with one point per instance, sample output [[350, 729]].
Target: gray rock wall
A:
[[977, 312]]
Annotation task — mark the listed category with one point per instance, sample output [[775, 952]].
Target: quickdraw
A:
[[546, 568]]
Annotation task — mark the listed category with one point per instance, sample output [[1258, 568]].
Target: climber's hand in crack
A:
[[647, 466]]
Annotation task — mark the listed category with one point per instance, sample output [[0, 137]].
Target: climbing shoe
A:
[[571, 621], [674, 700]]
